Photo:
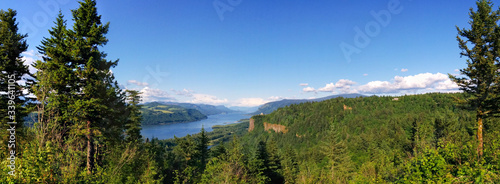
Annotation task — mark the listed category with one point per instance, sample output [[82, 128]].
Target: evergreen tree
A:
[[229, 167], [335, 149], [186, 161], [12, 70], [266, 163], [77, 87], [290, 165], [56, 88], [482, 70], [202, 149], [257, 165], [77, 90], [219, 150], [274, 163], [133, 126]]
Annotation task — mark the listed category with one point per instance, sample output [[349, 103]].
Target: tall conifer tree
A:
[[202, 155], [12, 44], [133, 126], [56, 88], [335, 149], [481, 45], [78, 87], [100, 103]]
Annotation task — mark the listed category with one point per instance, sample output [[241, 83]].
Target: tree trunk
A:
[[480, 135], [90, 149]]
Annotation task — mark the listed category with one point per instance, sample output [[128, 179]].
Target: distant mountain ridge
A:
[[155, 113], [244, 109], [203, 108], [272, 106]]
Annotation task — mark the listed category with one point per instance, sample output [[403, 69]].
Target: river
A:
[[183, 129]]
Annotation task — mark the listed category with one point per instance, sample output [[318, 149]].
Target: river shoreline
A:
[[168, 131]]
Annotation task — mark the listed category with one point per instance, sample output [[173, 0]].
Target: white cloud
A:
[[328, 88], [253, 102], [275, 98], [249, 102], [137, 83], [420, 83], [30, 57], [29, 53], [303, 84], [423, 81], [348, 90], [447, 85], [184, 92], [365, 74], [309, 89], [404, 70], [342, 85], [185, 95], [376, 87], [151, 95], [207, 99], [456, 70]]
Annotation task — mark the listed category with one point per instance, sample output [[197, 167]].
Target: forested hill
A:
[[157, 113], [272, 106], [417, 138], [203, 108]]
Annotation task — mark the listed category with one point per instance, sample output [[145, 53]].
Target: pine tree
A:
[[100, 102], [185, 152], [202, 150], [266, 163], [133, 126], [290, 165], [77, 90], [12, 70], [218, 151], [56, 88], [335, 148], [274, 163], [482, 69]]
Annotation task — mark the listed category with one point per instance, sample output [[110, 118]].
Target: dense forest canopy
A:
[[88, 128]]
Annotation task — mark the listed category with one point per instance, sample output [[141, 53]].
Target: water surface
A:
[[182, 129]]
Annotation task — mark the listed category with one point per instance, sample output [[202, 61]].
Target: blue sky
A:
[[246, 53]]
